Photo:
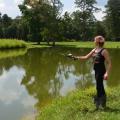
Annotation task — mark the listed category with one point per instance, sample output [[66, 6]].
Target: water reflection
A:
[[67, 76], [14, 99], [49, 75], [12, 53], [33, 80]]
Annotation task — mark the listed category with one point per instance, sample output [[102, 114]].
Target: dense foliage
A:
[[112, 20], [43, 20]]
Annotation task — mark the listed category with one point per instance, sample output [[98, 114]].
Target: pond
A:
[[31, 81]]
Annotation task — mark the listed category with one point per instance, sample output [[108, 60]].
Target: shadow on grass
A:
[[107, 109], [68, 46], [56, 45]]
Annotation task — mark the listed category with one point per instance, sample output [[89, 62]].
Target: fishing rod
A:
[[69, 55]]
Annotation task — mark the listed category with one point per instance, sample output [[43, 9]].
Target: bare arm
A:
[[86, 56], [108, 61]]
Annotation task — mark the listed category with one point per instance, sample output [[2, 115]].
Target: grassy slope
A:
[[8, 48], [78, 105], [10, 43]]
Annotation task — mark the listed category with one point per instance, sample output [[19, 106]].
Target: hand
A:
[[75, 57], [71, 56], [105, 76]]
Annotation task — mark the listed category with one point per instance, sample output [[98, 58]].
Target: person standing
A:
[[100, 55]]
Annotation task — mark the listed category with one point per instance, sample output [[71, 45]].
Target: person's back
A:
[[98, 61]]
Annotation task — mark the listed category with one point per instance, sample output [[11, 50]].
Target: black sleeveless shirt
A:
[[98, 61]]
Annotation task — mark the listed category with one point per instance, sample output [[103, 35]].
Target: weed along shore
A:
[[78, 105]]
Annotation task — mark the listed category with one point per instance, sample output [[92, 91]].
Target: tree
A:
[[100, 28], [66, 26], [37, 13], [56, 6], [6, 20], [5, 23], [1, 32], [87, 19], [113, 18]]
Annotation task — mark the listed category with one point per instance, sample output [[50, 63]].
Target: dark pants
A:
[[99, 84]]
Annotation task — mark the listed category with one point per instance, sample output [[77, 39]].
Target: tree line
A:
[[43, 20]]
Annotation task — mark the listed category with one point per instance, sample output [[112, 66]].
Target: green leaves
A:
[[86, 5], [85, 18], [112, 20], [42, 18]]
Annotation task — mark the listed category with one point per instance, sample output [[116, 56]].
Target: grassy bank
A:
[[74, 44], [78, 105], [10, 44], [87, 44]]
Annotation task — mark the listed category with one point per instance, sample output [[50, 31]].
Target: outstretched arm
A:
[[86, 56], [109, 65]]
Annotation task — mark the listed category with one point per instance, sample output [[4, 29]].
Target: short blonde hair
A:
[[99, 39]]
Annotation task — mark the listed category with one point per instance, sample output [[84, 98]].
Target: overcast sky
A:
[[10, 7]]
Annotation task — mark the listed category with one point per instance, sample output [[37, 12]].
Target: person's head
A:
[[99, 41]]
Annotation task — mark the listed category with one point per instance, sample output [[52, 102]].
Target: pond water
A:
[[31, 81]]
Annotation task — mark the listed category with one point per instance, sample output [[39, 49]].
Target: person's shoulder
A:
[[104, 51]]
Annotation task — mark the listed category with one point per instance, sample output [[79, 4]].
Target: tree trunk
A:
[[38, 42], [53, 43]]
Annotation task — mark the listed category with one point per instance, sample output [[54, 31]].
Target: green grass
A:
[[12, 48], [12, 43], [76, 44], [35, 45], [78, 105], [108, 44]]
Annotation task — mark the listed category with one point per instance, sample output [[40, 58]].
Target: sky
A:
[[10, 7]]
